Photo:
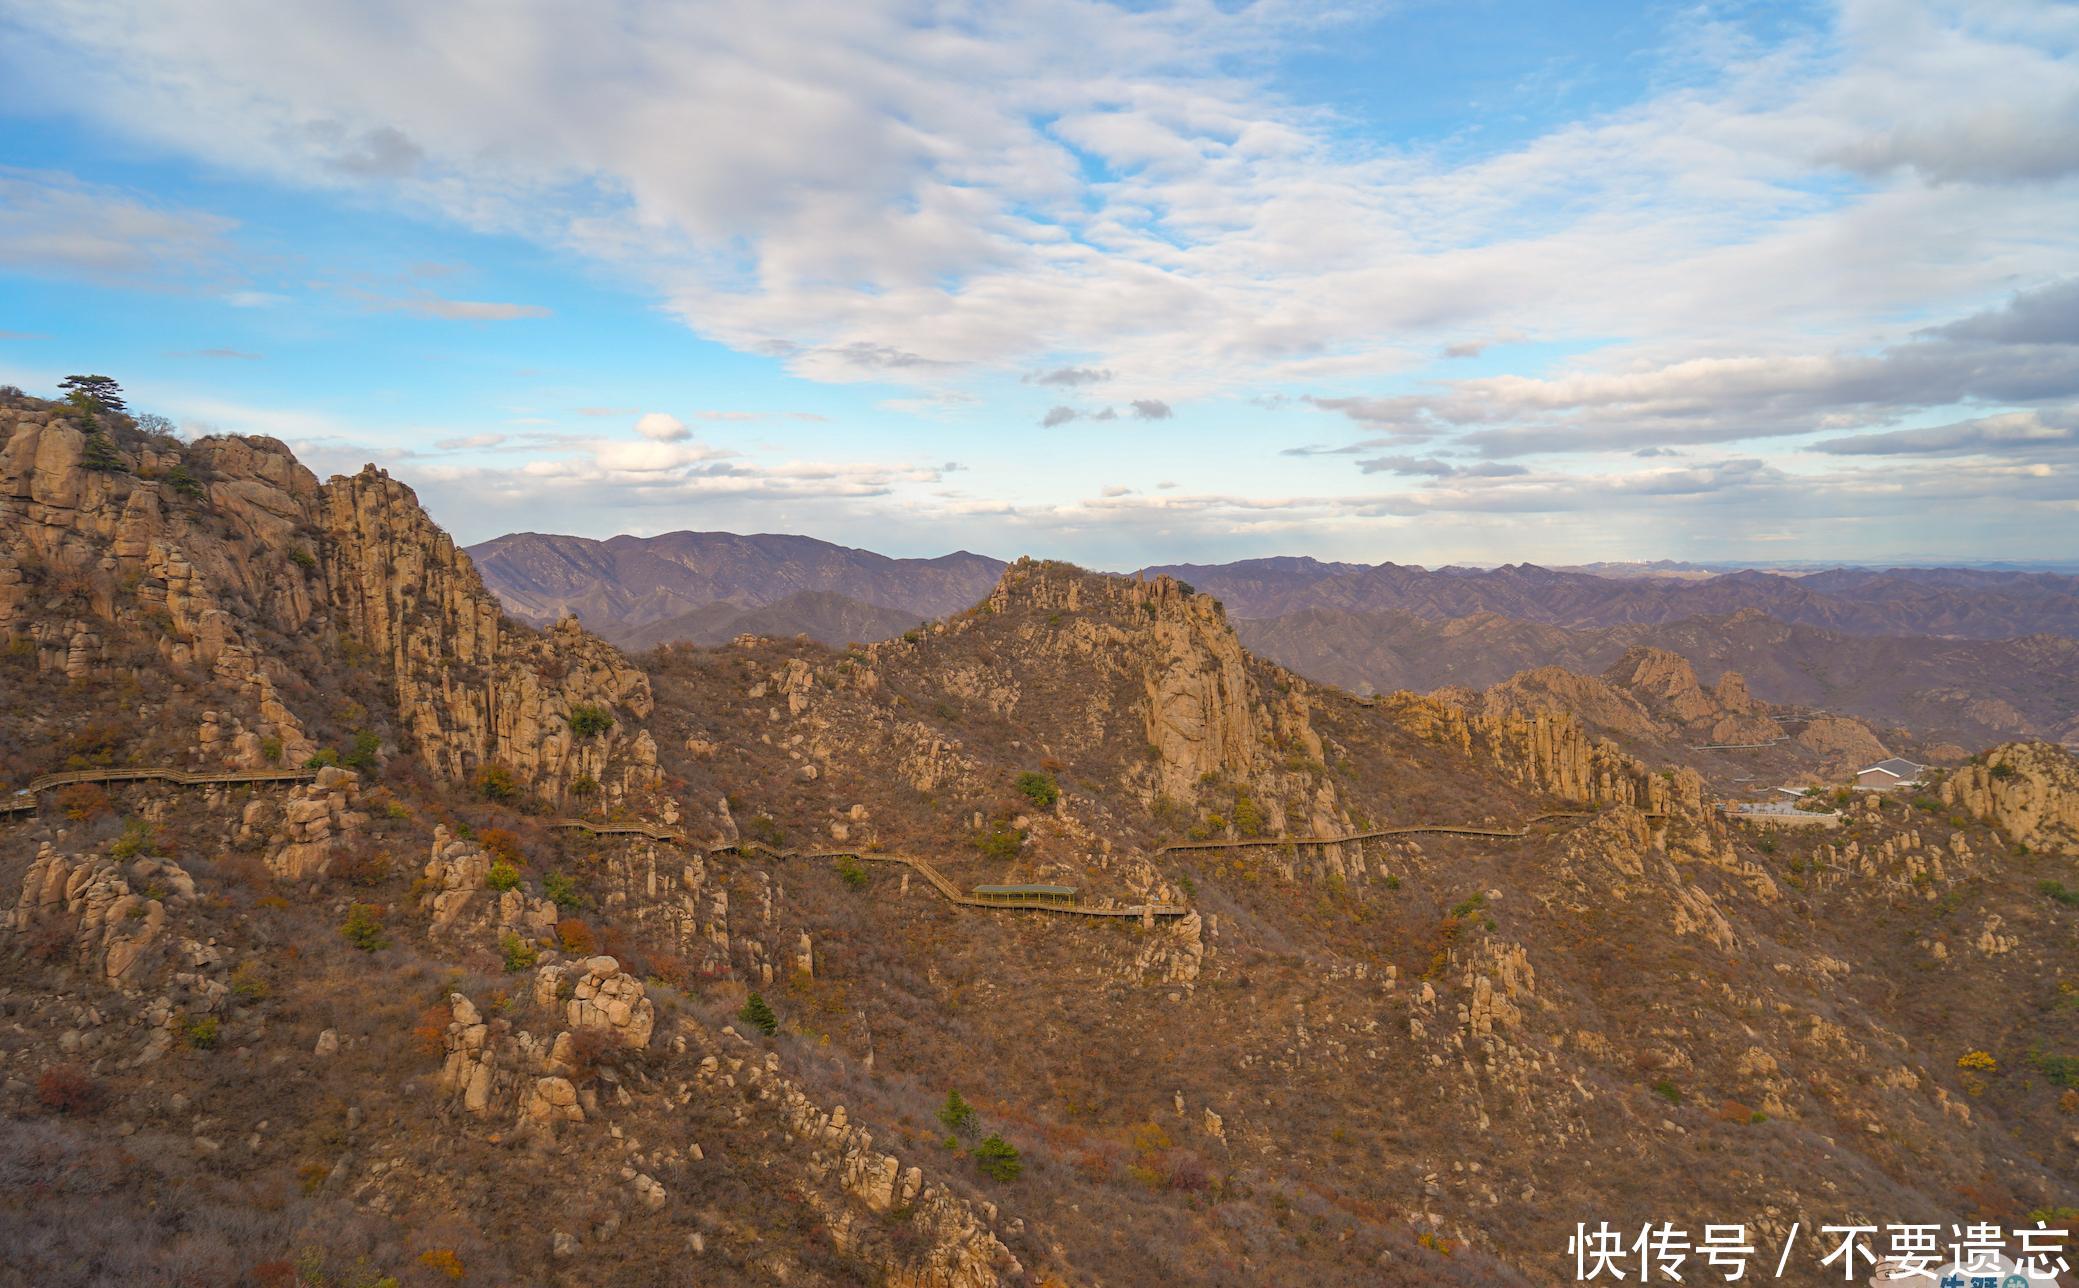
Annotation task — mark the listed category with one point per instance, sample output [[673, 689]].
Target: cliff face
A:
[[1548, 751], [151, 562], [2029, 790], [1203, 710], [472, 689]]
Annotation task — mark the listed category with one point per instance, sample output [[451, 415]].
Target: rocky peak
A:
[[1201, 712], [1657, 675], [227, 557]]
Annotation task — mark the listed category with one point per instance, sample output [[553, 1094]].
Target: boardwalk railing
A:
[[922, 867], [24, 800], [1413, 829]]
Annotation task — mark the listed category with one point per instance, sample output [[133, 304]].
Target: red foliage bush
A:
[[501, 843], [83, 802], [576, 937], [430, 1033], [273, 1274], [69, 1089]]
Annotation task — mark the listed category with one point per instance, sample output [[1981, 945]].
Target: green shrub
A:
[[325, 759], [201, 1033], [563, 891], [366, 744], [998, 1159], [363, 927], [184, 482], [2003, 771], [136, 838], [853, 872], [1040, 789], [497, 783], [2059, 891], [759, 1016], [957, 1114], [1248, 817], [271, 748], [502, 877], [98, 453], [302, 558], [1668, 1091], [590, 721], [518, 953], [2060, 1069], [999, 841]]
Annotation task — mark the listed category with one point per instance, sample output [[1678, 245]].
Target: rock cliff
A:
[[2029, 790], [149, 561]]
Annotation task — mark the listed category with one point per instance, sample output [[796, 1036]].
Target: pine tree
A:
[[104, 393], [99, 453], [998, 1159], [957, 1115], [759, 1016]]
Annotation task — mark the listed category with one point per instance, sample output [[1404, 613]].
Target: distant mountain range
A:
[[1954, 690], [1967, 655], [1952, 602], [644, 591]]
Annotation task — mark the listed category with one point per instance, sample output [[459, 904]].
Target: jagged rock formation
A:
[[474, 690], [1205, 713], [607, 998], [99, 905], [226, 557], [1550, 752], [2029, 790], [305, 831]]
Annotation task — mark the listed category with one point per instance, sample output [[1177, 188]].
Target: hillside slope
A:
[[396, 1021]]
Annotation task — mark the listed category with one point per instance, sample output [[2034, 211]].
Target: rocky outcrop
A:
[[1550, 752], [226, 558], [455, 872], [474, 690], [1173, 953], [315, 821], [611, 999], [1163, 657], [112, 914], [2029, 790]]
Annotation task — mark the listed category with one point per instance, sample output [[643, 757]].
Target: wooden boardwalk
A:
[[922, 867], [1413, 829], [24, 800]]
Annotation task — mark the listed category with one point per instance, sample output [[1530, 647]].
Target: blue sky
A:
[[1474, 282]]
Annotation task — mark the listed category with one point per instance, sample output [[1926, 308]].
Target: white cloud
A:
[[886, 191], [661, 427], [53, 223], [434, 306]]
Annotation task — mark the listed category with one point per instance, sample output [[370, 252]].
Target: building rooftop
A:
[[1896, 767]]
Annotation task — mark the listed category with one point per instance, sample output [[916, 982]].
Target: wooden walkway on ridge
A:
[[24, 800], [923, 867]]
